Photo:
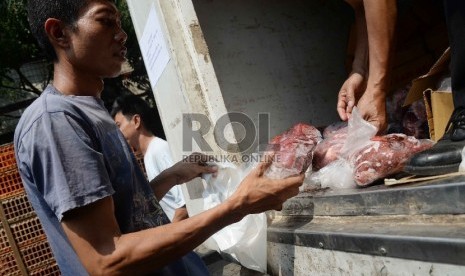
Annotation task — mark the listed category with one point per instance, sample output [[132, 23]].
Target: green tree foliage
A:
[[19, 47]]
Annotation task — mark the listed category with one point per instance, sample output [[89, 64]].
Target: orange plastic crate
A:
[[27, 232], [17, 208], [4, 244], [10, 183], [8, 265], [50, 270], [6, 147], [37, 255], [140, 160], [7, 157]]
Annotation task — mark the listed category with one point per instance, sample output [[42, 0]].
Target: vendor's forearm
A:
[[360, 63], [380, 19]]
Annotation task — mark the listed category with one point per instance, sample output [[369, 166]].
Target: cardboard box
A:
[[403, 74], [439, 107], [439, 104]]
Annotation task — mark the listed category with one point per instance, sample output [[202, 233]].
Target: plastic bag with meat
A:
[[356, 157], [334, 128], [329, 149], [385, 155], [293, 151], [338, 142]]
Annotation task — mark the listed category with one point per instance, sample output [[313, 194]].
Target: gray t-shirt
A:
[[70, 153]]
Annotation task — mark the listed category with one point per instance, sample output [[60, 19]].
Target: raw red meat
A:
[[385, 155], [293, 150], [334, 128], [329, 149], [415, 122], [410, 120]]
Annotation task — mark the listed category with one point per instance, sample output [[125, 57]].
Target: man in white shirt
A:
[[138, 123]]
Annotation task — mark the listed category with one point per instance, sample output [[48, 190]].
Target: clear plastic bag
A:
[[339, 173], [293, 151], [244, 241], [359, 134], [366, 158], [445, 84]]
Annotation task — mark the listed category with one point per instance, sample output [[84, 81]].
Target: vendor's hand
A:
[[257, 193], [191, 167], [350, 92], [372, 107]]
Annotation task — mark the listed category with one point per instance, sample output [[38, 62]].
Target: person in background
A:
[[368, 83], [446, 155], [100, 214], [133, 116]]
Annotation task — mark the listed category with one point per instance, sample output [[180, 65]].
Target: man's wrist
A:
[[235, 209], [172, 176], [162, 183]]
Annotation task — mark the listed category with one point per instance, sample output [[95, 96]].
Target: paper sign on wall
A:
[[153, 47]]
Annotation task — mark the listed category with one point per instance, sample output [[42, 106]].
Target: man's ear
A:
[[137, 121], [56, 32]]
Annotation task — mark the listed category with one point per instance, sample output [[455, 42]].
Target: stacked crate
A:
[[24, 249], [140, 160]]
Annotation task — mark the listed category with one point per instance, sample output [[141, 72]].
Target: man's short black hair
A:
[[130, 105], [39, 11]]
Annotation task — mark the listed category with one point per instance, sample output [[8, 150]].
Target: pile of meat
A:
[[302, 145], [330, 148], [410, 120], [293, 151], [379, 157], [385, 155]]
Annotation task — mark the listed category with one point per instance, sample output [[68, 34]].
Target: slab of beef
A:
[[333, 129], [293, 151], [410, 120], [385, 155], [329, 149], [415, 122]]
